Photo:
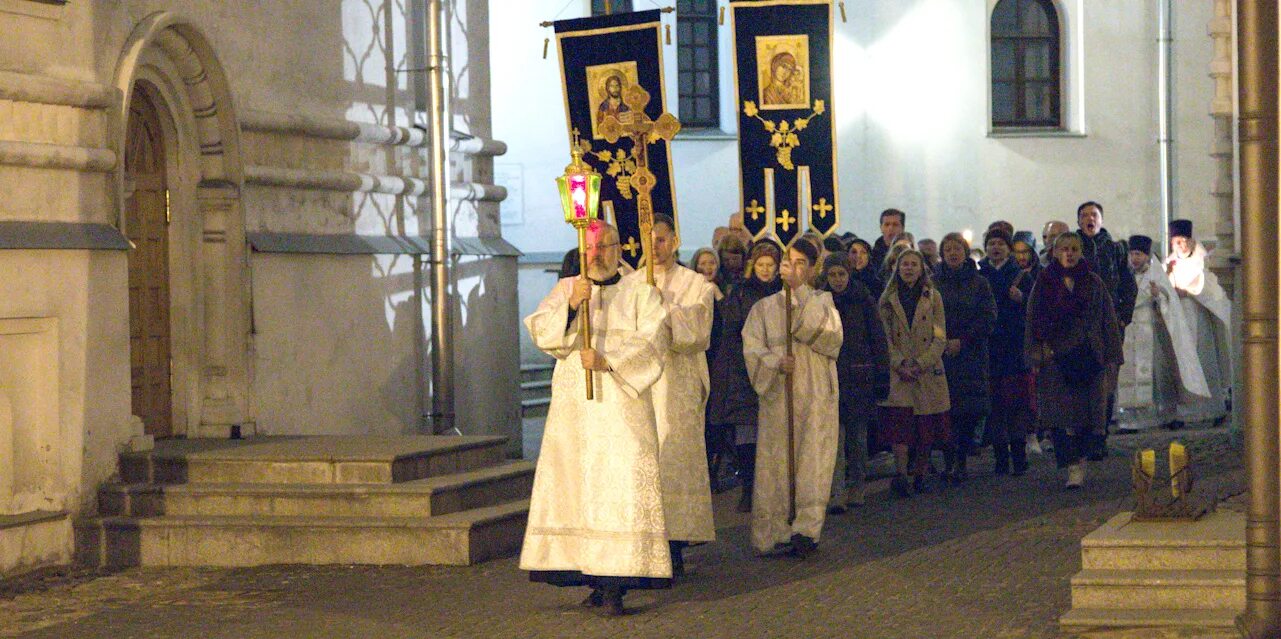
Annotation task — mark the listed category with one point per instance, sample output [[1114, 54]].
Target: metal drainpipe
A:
[[1257, 98], [1165, 94], [442, 302]]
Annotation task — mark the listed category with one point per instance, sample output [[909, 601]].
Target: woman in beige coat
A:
[[916, 409]]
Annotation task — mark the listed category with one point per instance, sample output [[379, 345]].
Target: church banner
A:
[[601, 59], [786, 136]]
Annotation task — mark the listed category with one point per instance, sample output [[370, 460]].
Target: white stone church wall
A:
[[911, 83]]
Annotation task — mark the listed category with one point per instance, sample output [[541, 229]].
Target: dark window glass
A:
[[616, 6], [696, 56], [1025, 64]]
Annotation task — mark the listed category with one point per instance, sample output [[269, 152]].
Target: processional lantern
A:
[[579, 190]]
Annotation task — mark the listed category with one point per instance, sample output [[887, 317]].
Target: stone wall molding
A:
[[337, 129], [353, 182], [57, 156], [40, 89]]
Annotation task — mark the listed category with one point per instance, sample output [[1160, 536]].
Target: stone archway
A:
[[170, 58]]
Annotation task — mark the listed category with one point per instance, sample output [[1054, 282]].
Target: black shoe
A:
[[900, 486], [677, 550], [594, 600], [612, 602], [745, 500], [837, 508], [802, 546]]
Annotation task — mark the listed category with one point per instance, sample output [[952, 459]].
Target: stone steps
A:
[[1087, 620], [311, 500], [1176, 575], [1159, 589], [418, 498], [457, 539]]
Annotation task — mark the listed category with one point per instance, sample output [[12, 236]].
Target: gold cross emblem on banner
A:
[[785, 218], [755, 209], [822, 208], [631, 246]]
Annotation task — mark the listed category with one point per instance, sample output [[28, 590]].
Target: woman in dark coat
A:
[[863, 374], [732, 401], [971, 313], [865, 272], [1011, 378], [1072, 336]]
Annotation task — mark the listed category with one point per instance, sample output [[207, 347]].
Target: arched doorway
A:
[[146, 209]]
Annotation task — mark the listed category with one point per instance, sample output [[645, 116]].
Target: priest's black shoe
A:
[[612, 602], [594, 600], [802, 546]]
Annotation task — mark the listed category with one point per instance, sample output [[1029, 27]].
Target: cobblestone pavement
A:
[[989, 560]]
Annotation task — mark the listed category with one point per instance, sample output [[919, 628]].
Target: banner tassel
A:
[[842, 6], [721, 20], [667, 31], [546, 42]]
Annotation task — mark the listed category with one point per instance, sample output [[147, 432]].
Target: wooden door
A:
[[147, 226]]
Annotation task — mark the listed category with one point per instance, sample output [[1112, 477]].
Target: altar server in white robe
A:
[[1208, 313], [680, 395], [596, 514], [1161, 367], [816, 337]]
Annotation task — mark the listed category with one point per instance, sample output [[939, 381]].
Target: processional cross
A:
[[642, 131]]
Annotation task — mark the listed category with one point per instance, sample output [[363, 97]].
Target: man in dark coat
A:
[[1011, 380], [893, 221], [863, 374], [1110, 260], [970, 313]]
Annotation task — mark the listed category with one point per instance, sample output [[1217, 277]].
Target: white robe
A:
[[1208, 313], [597, 503], [680, 397], [1161, 366], [816, 341]]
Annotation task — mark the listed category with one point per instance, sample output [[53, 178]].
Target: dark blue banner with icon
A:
[[786, 132], [602, 58]]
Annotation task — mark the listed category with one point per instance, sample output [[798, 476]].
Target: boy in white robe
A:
[[680, 395], [816, 337], [596, 513]]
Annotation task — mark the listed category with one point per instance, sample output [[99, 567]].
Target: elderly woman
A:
[[967, 300], [1072, 336], [911, 312], [732, 403], [1011, 415], [862, 372]]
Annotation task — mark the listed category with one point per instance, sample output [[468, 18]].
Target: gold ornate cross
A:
[[631, 246], [822, 208], [755, 209], [643, 131], [785, 218]]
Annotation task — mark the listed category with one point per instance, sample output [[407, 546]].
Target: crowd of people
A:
[[781, 369]]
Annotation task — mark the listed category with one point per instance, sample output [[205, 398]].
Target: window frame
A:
[[616, 6], [1021, 41], [689, 90]]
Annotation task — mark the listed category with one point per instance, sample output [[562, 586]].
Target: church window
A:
[[615, 6], [1026, 85], [696, 50]]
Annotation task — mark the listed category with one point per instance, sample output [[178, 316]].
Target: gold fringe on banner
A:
[[667, 31], [842, 6], [546, 43], [721, 19]]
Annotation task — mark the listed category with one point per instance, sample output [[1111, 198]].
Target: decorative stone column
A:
[[1222, 109]]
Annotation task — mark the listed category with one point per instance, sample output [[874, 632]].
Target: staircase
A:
[[311, 500], [536, 389], [1186, 575]]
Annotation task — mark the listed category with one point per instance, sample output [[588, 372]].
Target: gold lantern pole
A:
[[580, 198]]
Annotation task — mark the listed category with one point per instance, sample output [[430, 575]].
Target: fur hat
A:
[[998, 233], [1141, 243], [1181, 228]]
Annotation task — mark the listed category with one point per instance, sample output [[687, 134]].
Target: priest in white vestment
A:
[[596, 514], [1208, 313], [680, 395], [816, 337], [1161, 368]]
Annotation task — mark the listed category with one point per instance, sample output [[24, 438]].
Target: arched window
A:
[[1025, 64]]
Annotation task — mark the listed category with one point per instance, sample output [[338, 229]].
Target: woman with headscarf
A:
[[911, 311], [971, 313], [1071, 337], [733, 402], [864, 272], [862, 373]]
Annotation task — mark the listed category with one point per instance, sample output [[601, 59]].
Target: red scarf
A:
[[1060, 305]]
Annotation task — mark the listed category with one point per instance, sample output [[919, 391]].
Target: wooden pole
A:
[[585, 309], [791, 420]]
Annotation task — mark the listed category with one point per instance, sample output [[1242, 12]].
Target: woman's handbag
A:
[[1079, 365]]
